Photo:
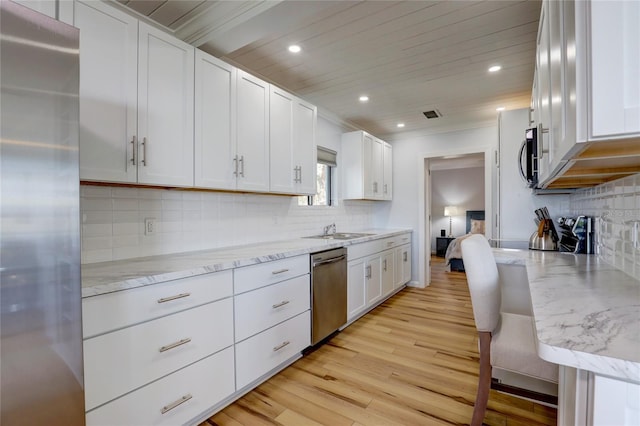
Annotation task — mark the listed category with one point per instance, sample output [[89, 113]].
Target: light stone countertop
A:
[[587, 312], [107, 277]]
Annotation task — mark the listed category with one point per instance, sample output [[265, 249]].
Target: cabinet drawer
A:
[[118, 362], [261, 353], [256, 276], [207, 382], [357, 251], [399, 240], [112, 311], [263, 308]]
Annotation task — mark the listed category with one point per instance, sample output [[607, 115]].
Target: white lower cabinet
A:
[[590, 399], [153, 349], [262, 353], [373, 279], [388, 272], [403, 265], [375, 270], [112, 311], [174, 399], [175, 352], [268, 306], [615, 402], [355, 288]]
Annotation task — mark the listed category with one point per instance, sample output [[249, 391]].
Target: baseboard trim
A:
[[524, 393]]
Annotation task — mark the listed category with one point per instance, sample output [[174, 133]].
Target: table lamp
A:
[[450, 211]]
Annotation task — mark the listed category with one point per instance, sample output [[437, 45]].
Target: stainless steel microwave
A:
[[528, 157]]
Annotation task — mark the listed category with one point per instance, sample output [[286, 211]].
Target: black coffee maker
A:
[[577, 234]]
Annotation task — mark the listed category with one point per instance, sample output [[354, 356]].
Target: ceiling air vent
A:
[[434, 113]]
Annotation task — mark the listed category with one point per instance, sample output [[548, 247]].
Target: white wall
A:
[[463, 188], [113, 217], [408, 171]]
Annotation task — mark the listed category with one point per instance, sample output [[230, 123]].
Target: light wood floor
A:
[[411, 361]]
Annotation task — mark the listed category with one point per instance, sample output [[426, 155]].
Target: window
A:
[[324, 185]]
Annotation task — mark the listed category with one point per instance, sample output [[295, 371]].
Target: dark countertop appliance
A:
[[577, 234]]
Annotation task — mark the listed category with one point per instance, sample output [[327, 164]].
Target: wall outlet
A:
[[149, 225]]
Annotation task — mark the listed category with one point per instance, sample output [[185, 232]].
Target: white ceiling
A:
[[407, 56]]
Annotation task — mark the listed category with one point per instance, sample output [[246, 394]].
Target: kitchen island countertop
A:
[[587, 312], [107, 277]]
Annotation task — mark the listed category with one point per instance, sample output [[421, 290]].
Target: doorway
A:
[[430, 220]]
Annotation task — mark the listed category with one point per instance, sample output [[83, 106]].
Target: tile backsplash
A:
[[113, 220], [616, 207]]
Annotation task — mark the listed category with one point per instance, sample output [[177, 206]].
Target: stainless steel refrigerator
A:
[[41, 377]]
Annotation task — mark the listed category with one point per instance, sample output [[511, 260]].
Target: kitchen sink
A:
[[339, 236]]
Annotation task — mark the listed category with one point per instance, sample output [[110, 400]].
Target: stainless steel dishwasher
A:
[[328, 292]]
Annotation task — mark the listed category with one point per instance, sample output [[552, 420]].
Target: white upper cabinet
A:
[[292, 125], [543, 74], [136, 100], [215, 121], [155, 111], [587, 92], [165, 109], [252, 149], [283, 175], [304, 147], [387, 177], [364, 170], [108, 92], [613, 29]]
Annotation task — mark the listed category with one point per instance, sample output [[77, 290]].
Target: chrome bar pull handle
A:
[[280, 271], [241, 165], [235, 166], [170, 298], [368, 272], [404, 256], [174, 404], [277, 305], [144, 151], [300, 174], [384, 265], [133, 151], [174, 345], [281, 345]]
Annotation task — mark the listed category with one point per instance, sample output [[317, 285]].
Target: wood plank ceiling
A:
[[407, 56]]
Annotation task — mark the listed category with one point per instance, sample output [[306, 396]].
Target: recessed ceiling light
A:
[[400, 125], [364, 98], [500, 109], [495, 68], [294, 48]]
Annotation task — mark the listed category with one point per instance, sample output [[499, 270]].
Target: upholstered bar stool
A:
[[507, 341]]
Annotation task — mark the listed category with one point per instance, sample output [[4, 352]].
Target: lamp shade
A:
[[450, 211]]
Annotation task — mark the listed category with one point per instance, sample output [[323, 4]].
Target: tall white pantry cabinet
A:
[[136, 100]]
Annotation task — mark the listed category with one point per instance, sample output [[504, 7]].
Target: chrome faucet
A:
[[330, 229]]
